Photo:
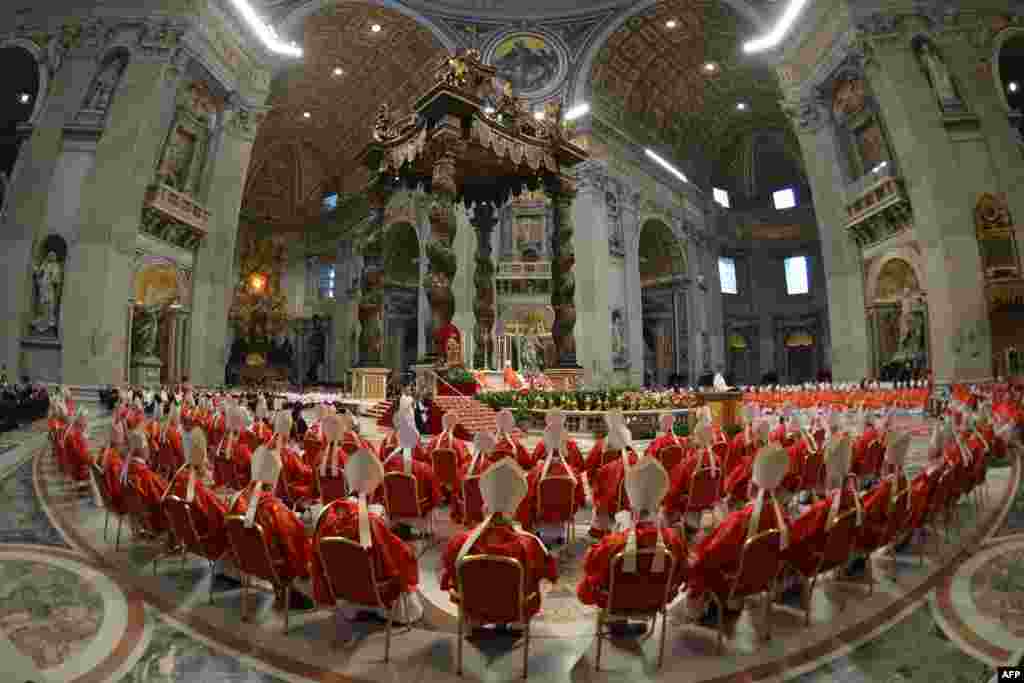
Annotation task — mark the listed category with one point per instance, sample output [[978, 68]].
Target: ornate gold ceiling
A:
[[651, 80], [297, 159]]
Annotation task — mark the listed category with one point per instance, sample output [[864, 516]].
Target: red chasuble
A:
[[298, 475], [388, 445], [605, 487], [665, 440], [426, 481], [284, 531], [502, 539], [682, 476], [392, 558], [76, 454], [593, 588], [150, 487], [215, 433], [470, 470], [860, 449], [921, 491], [527, 513], [313, 444], [876, 512], [241, 458], [596, 458], [718, 553], [208, 511], [572, 454], [112, 464], [171, 450], [807, 534]]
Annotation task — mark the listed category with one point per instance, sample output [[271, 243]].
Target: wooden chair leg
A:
[[387, 636], [245, 597], [600, 635], [664, 630], [213, 575], [106, 523], [526, 652], [117, 542], [458, 670], [287, 604]]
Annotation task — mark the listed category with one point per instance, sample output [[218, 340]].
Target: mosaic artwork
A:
[[998, 591], [527, 62]]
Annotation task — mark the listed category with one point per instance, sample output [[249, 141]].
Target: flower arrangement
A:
[[621, 398]]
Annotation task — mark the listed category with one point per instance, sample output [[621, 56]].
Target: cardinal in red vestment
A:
[[259, 432], [718, 554], [351, 441], [667, 445], [283, 528], [547, 516], [57, 424], [512, 379], [145, 483], [738, 482], [923, 487], [446, 441], [313, 443], [296, 475], [483, 447], [111, 459], [331, 462], [172, 453], [404, 459], [878, 503], [503, 487], [868, 435], [647, 484], [606, 486], [234, 449], [809, 531], [701, 459], [569, 449], [208, 510], [76, 447], [218, 427], [390, 442], [394, 561]]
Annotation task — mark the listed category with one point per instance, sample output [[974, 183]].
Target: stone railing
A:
[[524, 270], [877, 207], [179, 206], [643, 424]]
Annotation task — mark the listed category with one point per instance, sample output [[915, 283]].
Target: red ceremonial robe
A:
[[171, 450], [297, 475], [921, 491], [718, 553], [426, 481], [665, 440], [877, 504], [508, 445], [393, 560], [597, 458], [283, 528], [76, 454], [215, 433], [682, 475], [797, 452], [446, 440], [471, 469], [150, 487], [572, 455], [605, 487], [860, 448], [528, 514], [594, 586], [208, 510], [352, 442], [112, 464], [313, 444], [501, 538], [808, 534]]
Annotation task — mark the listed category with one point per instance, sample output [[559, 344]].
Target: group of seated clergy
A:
[[766, 453]]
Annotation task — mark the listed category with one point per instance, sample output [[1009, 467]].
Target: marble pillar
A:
[[214, 276], [592, 301], [100, 265], [562, 191], [841, 258], [465, 247], [27, 202], [945, 171]]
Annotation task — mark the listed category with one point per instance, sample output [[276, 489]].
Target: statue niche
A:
[[994, 228], [101, 91], [48, 281], [937, 72], [187, 147]]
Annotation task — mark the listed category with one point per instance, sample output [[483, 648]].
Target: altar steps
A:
[[475, 416]]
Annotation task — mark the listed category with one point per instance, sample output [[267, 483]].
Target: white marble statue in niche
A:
[[620, 350], [615, 239], [101, 92], [48, 277], [939, 77]]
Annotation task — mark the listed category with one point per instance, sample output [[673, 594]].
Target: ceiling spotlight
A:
[[24, 98], [539, 115], [1013, 87], [338, 71], [376, 28], [671, 23], [710, 67], [741, 106], [488, 110], [306, 115], [577, 111]]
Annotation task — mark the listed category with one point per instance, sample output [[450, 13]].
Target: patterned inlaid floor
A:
[[67, 597]]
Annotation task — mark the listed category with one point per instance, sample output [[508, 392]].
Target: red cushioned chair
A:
[[254, 559]]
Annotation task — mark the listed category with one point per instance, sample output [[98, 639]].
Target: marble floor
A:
[[74, 609]]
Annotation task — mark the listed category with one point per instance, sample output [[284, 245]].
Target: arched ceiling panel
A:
[[653, 82], [392, 65]]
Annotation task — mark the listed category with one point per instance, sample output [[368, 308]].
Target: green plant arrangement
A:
[[442, 259], [457, 376]]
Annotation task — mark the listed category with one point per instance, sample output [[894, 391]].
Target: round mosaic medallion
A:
[[532, 63]]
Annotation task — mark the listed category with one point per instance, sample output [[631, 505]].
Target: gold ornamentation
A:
[[992, 213], [848, 97]]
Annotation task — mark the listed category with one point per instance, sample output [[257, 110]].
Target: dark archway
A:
[[662, 263], [19, 89]]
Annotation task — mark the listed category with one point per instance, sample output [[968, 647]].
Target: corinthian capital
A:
[[808, 114], [592, 176]]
